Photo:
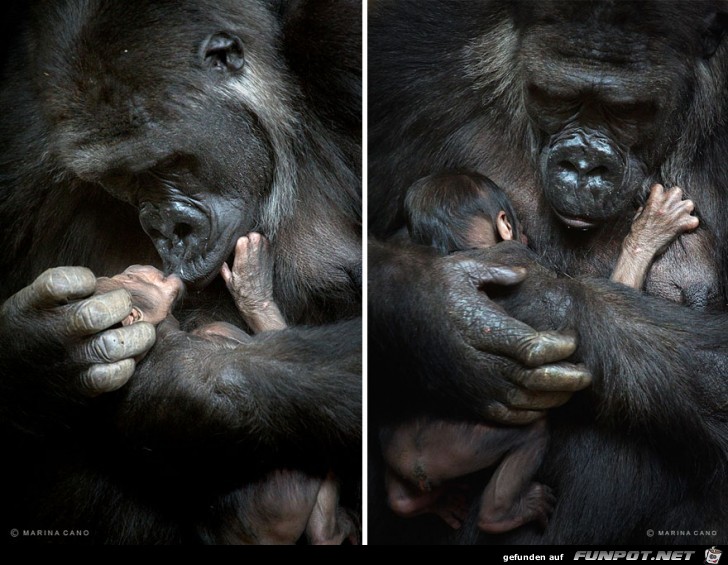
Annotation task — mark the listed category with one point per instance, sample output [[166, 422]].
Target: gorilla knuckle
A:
[[544, 347], [137, 338], [100, 312], [60, 283], [102, 378]]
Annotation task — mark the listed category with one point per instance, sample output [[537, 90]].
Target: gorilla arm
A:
[[657, 366], [297, 386], [654, 365]]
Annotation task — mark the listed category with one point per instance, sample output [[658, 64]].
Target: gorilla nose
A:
[[584, 162], [581, 171], [177, 230]]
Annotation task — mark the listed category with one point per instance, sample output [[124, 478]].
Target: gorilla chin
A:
[[198, 271]]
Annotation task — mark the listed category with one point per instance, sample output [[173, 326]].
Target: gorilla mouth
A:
[[198, 281], [576, 222], [193, 240]]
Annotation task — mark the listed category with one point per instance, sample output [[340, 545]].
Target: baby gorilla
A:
[[456, 212], [286, 503]]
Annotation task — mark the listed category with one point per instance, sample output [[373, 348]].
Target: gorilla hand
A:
[[486, 361], [56, 318]]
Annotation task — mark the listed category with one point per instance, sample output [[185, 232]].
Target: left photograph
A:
[[181, 272]]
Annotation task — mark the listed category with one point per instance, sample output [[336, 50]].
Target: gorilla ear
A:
[[223, 51], [716, 25]]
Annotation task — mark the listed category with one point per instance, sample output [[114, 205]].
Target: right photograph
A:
[[548, 272]]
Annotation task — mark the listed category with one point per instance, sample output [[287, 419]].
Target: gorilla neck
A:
[[318, 248]]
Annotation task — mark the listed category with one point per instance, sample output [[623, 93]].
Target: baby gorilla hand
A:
[[251, 283], [664, 217]]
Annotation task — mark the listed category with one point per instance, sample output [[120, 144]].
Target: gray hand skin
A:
[[58, 317]]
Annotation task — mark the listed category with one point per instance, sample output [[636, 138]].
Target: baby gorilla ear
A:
[[223, 51]]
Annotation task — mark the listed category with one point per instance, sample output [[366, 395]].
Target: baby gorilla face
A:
[[152, 294]]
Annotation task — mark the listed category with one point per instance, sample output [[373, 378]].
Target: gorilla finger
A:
[[674, 193], [59, 285], [556, 377], [528, 400], [502, 414], [226, 274], [656, 191], [256, 240], [496, 332], [98, 312], [481, 274], [116, 344], [689, 223], [545, 347], [687, 205], [99, 379], [241, 254]]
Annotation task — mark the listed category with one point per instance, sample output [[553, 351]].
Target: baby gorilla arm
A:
[[251, 283], [665, 216]]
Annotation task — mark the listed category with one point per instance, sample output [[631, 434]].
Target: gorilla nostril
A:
[[182, 230], [600, 171], [567, 165]]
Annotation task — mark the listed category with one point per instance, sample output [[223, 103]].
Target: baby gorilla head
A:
[[458, 211], [152, 294]]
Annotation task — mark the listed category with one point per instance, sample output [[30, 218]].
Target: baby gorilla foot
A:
[[250, 281], [536, 504]]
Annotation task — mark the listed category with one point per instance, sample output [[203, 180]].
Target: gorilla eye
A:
[[223, 52], [550, 111], [640, 111], [551, 102]]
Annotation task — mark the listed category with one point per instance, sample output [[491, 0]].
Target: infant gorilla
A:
[[286, 503], [459, 211]]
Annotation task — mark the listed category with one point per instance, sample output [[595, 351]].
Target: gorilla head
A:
[[600, 80], [194, 132]]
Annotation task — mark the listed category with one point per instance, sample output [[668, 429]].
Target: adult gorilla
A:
[[134, 131], [574, 108]]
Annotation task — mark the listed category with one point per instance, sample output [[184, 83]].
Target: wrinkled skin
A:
[[527, 368]]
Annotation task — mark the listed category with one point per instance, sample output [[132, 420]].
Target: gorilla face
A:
[[601, 81], [189, 132]]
